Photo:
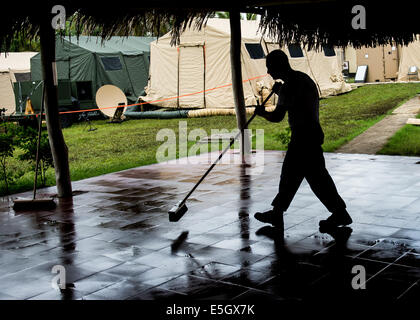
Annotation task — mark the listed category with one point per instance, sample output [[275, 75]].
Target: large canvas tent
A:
[[382, 62], [121, 61], [197, 71], [323, 66], [387, 62], [14, 66], [409, 57]]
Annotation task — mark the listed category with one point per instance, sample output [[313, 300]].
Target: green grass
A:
[[350, 80], [346, 116], [115, 147], [405, 142]]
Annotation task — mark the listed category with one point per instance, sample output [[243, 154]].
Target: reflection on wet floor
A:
[[115, 241]]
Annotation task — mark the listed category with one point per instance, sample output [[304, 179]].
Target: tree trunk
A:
[[236, 67], [58, 146]]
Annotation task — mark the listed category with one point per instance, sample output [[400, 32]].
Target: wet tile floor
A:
[[115, 241]]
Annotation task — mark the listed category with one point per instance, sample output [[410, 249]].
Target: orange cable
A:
[[166, 99]]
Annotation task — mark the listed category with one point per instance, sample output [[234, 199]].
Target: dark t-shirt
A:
[[299, 97]]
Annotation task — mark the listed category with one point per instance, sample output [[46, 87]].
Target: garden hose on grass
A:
[[156, 114]]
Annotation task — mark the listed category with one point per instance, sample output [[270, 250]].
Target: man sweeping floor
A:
[[304, 158]]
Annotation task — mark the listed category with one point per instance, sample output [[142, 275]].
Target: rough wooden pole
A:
[[58, 146], [236, 67]]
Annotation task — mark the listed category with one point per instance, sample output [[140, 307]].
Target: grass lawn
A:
[[405, 142], [350, 79], [114, 147]]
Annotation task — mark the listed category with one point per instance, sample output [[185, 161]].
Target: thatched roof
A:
[[329, 22], [313, 23]]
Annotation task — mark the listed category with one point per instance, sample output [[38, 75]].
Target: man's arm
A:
[[276, 115], [279, 112]]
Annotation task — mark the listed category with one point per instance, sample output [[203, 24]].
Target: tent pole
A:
[[177, 81], [58, 147], [236, 67]]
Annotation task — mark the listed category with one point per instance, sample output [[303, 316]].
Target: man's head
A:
[[278, 65]]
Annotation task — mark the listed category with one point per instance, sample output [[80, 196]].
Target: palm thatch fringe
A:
[[312, 23]]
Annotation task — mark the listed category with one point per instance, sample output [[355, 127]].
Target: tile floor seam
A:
[[103, 288], [408, 289], [305, 245], [135, 295], [386, 267], [228, 283], [367, 249]]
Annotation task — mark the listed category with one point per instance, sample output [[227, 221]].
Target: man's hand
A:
[[259, 110], [276, 87]]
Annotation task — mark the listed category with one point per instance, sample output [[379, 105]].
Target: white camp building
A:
[[14, 66]]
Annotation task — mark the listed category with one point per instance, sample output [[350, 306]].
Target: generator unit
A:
[[73, 98]]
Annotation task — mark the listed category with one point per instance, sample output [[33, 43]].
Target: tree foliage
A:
[[21, 43], [7, 146], [225, 15]]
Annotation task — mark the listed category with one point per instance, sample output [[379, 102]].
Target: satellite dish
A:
[[108, 98]]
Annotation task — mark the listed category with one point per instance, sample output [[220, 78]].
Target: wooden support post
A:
[[58, 146], [236, 67]]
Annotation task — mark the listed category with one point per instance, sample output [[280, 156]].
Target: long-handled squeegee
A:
[[180, 208]]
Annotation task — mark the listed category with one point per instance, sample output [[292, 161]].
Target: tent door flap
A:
[[191, 77]]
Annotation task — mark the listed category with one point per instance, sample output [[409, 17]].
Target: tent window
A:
[[255, 50], [111, 63], [23, 76], [328, 51], [295, 51]]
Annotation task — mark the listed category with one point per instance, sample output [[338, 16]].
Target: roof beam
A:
[[236, 69]]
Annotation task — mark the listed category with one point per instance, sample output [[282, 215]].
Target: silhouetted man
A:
[[304, 158]]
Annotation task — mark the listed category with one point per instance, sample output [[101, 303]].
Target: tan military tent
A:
[[409, 57], [14, 66], [389, 63], [323, 66], [382, 62], [196, 73]]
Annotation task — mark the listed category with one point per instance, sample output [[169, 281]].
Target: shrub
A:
[[28, 143], [7, 146], [284, 136]]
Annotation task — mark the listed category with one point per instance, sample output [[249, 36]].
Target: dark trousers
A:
[[307, 161]]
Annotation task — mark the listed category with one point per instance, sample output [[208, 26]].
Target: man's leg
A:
[[324, 188], [292, 175], [290, 180]]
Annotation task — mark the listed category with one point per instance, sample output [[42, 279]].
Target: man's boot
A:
[[273, 216], [339, 218]]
